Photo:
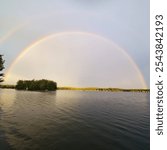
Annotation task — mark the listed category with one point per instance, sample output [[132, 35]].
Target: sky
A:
[[76, 42]]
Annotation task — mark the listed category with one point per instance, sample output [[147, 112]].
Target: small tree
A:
[[1, 68]]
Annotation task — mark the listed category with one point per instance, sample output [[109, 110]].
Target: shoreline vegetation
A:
[[103, 89], [36, 85], [83, 89]]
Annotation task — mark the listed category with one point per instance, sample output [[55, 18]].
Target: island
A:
[[36, 85]]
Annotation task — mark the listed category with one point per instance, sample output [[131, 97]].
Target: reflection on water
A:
[[7, 99], [74, 120]]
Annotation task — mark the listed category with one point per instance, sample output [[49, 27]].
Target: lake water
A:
[[74, 120]]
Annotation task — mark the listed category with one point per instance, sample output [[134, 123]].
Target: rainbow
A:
[[50, 36], [11, 32]]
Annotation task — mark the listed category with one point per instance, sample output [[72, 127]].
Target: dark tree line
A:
[[1, 68], [36, 85]]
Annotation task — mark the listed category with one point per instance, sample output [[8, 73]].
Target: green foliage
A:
[[36, 85], [1, 68]]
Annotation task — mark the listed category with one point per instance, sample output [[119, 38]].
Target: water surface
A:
[[74, 120]]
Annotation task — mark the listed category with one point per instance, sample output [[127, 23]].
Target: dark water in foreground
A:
[[74, 120]]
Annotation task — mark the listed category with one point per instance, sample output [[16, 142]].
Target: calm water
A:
[[74, 120]]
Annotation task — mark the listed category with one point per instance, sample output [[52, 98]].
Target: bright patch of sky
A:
[[126, 23]]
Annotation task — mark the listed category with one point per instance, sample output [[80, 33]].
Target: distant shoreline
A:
[[103, 89], [87, 89]]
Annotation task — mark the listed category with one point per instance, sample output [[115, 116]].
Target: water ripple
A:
[[74, 120]]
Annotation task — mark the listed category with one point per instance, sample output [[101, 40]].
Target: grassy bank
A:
[[7, 86], [103, 89]]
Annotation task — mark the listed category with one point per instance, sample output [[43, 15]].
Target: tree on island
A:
[[36, 85], [1, 68]]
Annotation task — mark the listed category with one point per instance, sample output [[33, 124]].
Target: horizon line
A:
[[85, 87]]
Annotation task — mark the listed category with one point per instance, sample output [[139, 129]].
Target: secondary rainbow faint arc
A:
[[50, 36], [11, 32]]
